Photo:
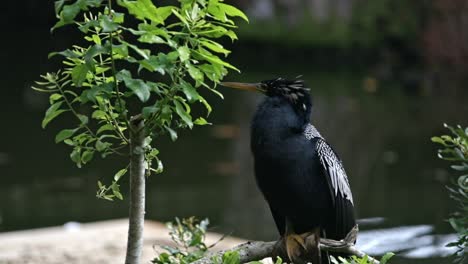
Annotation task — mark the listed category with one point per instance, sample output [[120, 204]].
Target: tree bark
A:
[[137, 192]]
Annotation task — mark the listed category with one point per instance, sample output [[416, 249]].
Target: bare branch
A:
[[249, 251]]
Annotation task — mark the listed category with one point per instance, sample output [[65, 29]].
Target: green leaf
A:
[[181, 18], [151, 39], [108, 24], [459, 167], [58, 6], [116, 191], [181, 111], [137, 86], [118, 17], [216, 92], [66, 53], [214, 72], [232, 11], [78, 74], [438, 140], [69, 142], [278, 260], [143, 9], [190, 92], [219, 14], [172, 133], [54, 97], [231, 257], [214, 32], [105, 127], [83, 119], [52, 113], [119, 174], [207, 105], [231, 34], [214, 46], [67, 15], [87, 156], [149, 110], [75, 156], [145, 53], [386, 258], [101, 146], [201, 121], [214, 59], [195, 73], [87, 25], [64, 134], [120, 50], [96, 39], [153, 153], [145, 28], [161, 63], [165, 11], [99, 115], [97, 92], [69, 12], [184, 53]]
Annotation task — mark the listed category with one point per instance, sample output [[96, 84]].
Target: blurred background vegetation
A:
[[385, 75]]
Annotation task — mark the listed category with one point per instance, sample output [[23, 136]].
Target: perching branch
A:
[[258, 250]]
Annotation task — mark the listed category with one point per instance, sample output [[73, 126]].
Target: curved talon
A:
[[295, 245]]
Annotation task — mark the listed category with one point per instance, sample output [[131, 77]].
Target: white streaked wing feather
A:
[[335, 170]]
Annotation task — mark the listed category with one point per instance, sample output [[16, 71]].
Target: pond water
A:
[[380, 129]]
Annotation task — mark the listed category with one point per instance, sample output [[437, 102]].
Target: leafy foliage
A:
[[363, 260], [455, 150], [150, 70], [189, 236]]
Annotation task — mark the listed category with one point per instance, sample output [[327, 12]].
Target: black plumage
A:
[[298, 172]]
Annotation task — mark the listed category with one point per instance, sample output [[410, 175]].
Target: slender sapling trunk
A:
[[137, 192]]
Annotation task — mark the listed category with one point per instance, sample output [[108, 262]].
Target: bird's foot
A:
[[295, 246]]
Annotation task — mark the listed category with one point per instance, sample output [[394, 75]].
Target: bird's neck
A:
[[276, 118]]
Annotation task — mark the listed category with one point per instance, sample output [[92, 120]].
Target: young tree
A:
[[118, 111]]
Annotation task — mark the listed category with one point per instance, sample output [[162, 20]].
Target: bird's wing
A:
[[336, 175], [340, 192]]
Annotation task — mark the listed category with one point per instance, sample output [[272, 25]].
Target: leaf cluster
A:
[[151, 69], [364, 260], [189, 237], [455, 149]]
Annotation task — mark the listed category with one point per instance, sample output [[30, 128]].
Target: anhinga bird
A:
[[298, 172]]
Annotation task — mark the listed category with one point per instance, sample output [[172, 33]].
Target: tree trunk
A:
[[137, 192]]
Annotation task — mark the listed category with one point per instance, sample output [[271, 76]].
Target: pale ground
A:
[[99, 242]]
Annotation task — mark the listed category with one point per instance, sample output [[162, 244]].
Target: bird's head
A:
[[293, 91]]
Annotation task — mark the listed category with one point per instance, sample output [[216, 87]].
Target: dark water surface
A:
[[380, 130]]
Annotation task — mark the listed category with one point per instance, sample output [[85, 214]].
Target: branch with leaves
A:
[[189, 235], [255, 251]]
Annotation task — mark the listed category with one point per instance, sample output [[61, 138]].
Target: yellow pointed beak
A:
[[255, 87]]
